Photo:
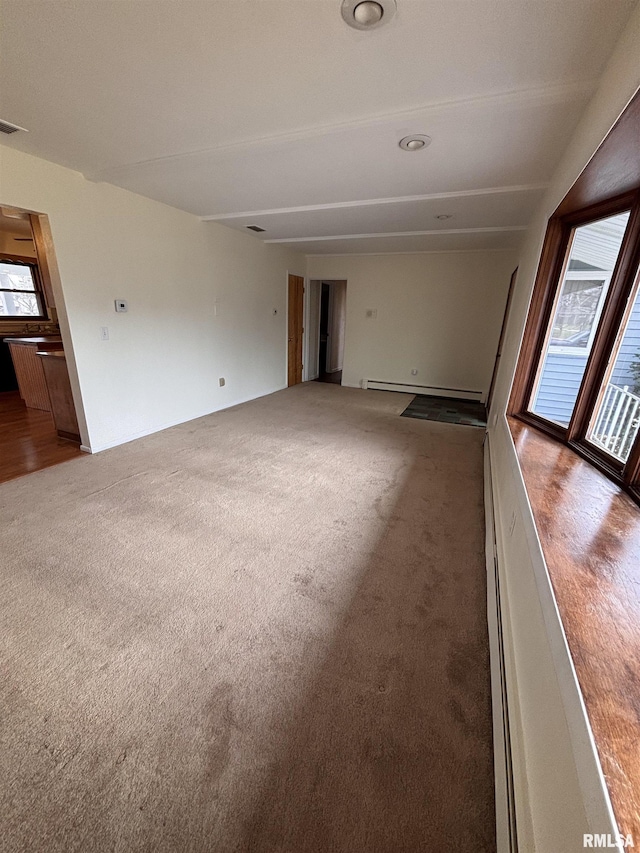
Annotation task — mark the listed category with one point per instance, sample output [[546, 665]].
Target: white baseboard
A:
[[506, 830], [433, 390]]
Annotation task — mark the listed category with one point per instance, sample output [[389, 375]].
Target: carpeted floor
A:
[[264, 630]]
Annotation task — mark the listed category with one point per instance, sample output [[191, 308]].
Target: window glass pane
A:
[[16, 277], [616, 418], [18, 304], [592, 256]]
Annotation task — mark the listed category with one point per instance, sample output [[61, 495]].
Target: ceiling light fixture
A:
[[444, 216], [416, 142], [367, 14]]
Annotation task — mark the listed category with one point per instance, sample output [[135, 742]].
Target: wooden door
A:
[[294, 358]]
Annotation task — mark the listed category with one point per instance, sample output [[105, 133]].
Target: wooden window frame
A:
[[38, 290], [609, 184], [548, 281]]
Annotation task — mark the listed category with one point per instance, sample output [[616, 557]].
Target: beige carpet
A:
[[264, 630]]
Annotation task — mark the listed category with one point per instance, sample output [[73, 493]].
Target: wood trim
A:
[[548, 427], [601, 210], [295, 329], [609, 181], [540, 307], [632, 472], [45, 253], [554, 257], [19, 259], [614, 168], [622, 280]]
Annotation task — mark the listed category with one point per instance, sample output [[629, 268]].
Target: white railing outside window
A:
[[617, 423]]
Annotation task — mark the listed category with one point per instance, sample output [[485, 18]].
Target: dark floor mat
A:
[[446, 410]]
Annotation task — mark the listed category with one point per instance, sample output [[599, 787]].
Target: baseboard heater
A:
[[506, 822], [433, 390]]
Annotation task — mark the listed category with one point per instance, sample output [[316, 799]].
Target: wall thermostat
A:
[[121, 305]]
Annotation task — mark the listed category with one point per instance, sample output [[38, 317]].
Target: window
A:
[[591, 258], [578, 376], [616, 418], [20, 294]]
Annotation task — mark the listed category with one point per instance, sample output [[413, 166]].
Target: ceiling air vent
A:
[[7, 127], [255, 228]]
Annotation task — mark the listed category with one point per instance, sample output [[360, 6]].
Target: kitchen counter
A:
[[60, 395], [36, 340], [28, 367]]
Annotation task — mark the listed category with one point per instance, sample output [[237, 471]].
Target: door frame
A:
[[286, 325], [54, 295], [311, 364]]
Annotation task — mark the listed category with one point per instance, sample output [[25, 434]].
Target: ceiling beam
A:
[[369, 202], [497, 229], [405, 252], [514, 98]]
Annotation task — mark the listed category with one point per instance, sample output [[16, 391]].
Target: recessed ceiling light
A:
[[367, 14], [255, 228], [416, 142], [444, 216]]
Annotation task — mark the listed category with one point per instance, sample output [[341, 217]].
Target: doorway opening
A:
[[328, 315], [38, 421]]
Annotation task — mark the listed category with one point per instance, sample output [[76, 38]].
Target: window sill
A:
[[590, 535]]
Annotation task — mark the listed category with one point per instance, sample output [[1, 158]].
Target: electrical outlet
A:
[[121, 306], [222, 382], [104, 333]]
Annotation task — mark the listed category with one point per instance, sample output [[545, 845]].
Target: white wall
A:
[[163, 358], [438, 313], [560, 791]]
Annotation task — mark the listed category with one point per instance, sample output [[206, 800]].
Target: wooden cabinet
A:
[[56, 374], [29, 371]]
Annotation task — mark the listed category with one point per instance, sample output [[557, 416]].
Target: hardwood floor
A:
[[590, 534], [28, 440]]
